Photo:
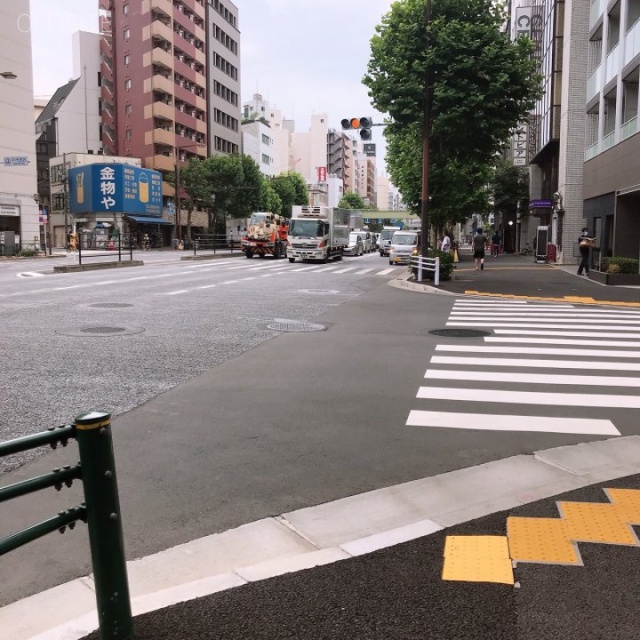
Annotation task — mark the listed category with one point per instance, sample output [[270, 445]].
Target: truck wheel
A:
[[326, 258], [249, 254], [292, 260], [276, 251]]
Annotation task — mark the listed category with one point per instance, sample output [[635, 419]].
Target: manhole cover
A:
[[98, 331], [111, 305], [460, 333], [103, 330], [295, 326]]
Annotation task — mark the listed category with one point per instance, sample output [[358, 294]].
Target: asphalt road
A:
[[250, 426]]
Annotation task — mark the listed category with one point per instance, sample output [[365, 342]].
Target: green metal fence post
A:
[[93, 431]]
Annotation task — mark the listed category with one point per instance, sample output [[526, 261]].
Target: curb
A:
[[326, 533], [402, 282]]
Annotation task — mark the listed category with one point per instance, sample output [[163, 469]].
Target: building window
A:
[[125, 9], [127, 134], [127, 84], [128, 109], [127, 59], [126, 33]]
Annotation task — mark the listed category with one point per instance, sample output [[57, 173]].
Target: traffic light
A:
[[362, 124]]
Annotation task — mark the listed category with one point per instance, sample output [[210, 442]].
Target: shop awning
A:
[[148, 220]]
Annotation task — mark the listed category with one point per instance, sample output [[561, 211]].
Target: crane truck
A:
[[317, 233], [266, 235]]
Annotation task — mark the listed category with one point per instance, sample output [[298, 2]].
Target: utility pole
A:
[[426, 134], [176, 197], [65, 183]]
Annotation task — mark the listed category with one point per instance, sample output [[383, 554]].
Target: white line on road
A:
[[73, 286], [539, 325], [529, 397], [345, 270], [568, 334], [587, 343], [30, 274], [493, 422], [532, 378], [386, 272], [564, 321], [470, 361], [462, 315], [331, 268], [208, 286], [540, 351], [363, 271], [176, 293]]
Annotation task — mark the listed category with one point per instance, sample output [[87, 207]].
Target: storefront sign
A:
[[15, 161], [9, 210], [322, 174], [540, 204]]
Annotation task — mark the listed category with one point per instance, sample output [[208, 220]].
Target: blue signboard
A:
[[115, 188]]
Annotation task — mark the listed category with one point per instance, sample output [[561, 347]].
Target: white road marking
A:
[[345, 270], [363, 271], [176, 293], [574, 334], [592, 343], [313, 266], [529, 397], [208, 286], [331, 268], [543, 316], [30, 274], [536, 364], [532, 378], [564, 321], [232, 281], [539, 351], [74, 286], [493, 422], [386, 272], [539, 325]]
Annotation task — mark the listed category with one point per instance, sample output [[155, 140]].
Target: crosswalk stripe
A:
[[363, 271], [345, 270], [470, 361], [539, 325], [385, 272], [497, 422], [563, 321], [566, 341], [529, 397], [532, 378], [534, 314], [540, 351], [575, 334]]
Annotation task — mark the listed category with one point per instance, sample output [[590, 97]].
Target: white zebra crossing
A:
[[592, 341]]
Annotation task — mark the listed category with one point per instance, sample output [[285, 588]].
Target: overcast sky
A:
[[303, 56]]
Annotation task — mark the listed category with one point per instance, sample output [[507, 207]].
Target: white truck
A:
[[384, 240], [317, 233]]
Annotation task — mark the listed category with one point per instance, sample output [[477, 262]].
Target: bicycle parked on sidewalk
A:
[[526, 250]]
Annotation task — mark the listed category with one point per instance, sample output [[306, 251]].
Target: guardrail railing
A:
[[100, 510], [422, 264]]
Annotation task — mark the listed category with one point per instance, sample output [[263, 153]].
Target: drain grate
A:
[[293, 325], [102, 330], [460, 333], [111, 305]]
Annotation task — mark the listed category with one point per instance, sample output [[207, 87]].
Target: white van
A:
[[403, 245], [384, 240]]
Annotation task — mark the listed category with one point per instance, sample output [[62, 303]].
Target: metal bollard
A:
[[93, 432]]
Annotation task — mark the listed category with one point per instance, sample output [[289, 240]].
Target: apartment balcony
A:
[[597, 8], [166, 6], [594, 83], [162, 110], [629, 128], [201, 126], [160, 83], [106, 70], [632, 43], [608, 141], [160, 163], [162, 31], [161, 57], [160, 136], [189, 25], [105, 49], [612, 64]]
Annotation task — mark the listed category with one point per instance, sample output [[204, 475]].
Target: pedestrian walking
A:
[[445, 243], [479, 242], [585, 242], [495, 244]]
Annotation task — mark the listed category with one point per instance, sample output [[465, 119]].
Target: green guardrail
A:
[[100, 511]]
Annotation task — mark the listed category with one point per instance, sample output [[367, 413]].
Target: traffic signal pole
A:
[[426, 135]]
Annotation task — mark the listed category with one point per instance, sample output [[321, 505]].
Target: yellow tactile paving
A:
[[627, 502], [594, 522], [477, 559], [540, 540], [544, 540]]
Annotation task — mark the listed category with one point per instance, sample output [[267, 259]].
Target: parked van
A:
[[403, 245]]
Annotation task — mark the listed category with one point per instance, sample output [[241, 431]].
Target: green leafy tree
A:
[[352, 200], [194, 181], [509, 188], [291, 189], [270, 198], [481, 85]]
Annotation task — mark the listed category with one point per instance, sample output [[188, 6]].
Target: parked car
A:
[[355, 246], [404, 244], [384, 240]]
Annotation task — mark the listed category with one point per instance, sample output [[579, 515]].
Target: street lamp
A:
[[8, 75]]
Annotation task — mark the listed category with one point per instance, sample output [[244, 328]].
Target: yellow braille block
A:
[[477, 559], [540, 540], [627, 503], [596, 522]]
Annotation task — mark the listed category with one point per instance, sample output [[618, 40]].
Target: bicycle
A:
[[526, 250]]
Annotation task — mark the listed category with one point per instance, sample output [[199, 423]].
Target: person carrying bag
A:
[[585, 244]]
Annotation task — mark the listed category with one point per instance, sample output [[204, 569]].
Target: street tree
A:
[[509, 188], [270, 199], [481, 85], [291, 188], [193, 181], [352, 200]]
